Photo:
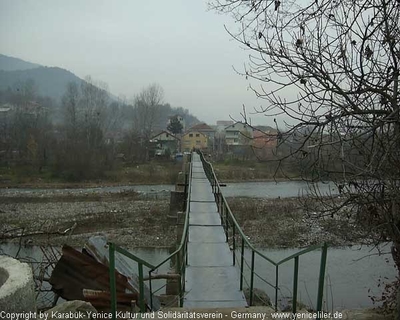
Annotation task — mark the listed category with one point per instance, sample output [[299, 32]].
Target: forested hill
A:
[[52, 82], [12, 64], [49, 82]]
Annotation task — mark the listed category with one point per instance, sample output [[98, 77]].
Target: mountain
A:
[[12, 64], [50, 81]]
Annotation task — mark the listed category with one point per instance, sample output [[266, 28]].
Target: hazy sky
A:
[[130, 43]]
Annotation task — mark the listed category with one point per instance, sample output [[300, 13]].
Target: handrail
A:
[[183, 243], [180, 251], [112, 248], [226, 213]]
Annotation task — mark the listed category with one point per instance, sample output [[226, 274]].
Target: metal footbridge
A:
[[214, 261], [211, 278]]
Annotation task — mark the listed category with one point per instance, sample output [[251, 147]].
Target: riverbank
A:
[[126, 218], [285, 223], [152, 172], [135, 220]]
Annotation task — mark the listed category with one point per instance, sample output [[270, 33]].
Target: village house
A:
[[165, 142], [238, 134], [194, 140], [264, 143], [207, 131]]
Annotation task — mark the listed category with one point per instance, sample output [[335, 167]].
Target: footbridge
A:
[[214, 262], [211, 276]]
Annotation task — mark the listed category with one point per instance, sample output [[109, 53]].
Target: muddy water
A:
[[352, 273], [268, 189]]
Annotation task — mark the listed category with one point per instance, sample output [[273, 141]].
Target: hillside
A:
[[49, 81], [13, 64], [52, 82]]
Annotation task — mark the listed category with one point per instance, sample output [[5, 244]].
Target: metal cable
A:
[[162, 287], [263, 280]]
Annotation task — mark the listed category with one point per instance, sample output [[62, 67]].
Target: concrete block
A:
[[17, 289]]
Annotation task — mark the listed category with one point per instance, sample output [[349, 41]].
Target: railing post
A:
[[186, 252], [234, 243], [276, 286], [252, 277], [141, 288], [182, 283], [221, 203], [213, 184], [295, 283], [226, 222], [151, 291], [178, 271], [113, 287], [241, 265], [185, 192], [321, 278]]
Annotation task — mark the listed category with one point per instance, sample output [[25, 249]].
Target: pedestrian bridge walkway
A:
[[211, 278], [214, 259]]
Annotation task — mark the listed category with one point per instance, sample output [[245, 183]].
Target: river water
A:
[[268, 189], [353, 273]]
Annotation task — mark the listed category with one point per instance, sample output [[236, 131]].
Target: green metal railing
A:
[[112, 249], [179, 256], [234, 234], [234, 231]]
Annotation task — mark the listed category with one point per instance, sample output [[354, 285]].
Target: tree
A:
[[146, 106], [26, 127], [175, 126], [83, 151], [331, 69], [146, 112]]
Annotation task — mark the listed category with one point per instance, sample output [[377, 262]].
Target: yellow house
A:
[[193, 140]]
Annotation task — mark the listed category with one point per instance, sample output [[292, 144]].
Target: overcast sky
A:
[[130, 43]]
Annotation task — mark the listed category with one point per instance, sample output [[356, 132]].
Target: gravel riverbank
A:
[[126, 218], [136, 220]]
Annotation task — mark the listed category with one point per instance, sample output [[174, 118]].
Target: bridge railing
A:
[[178, 257], [236, 237], [113, 249]]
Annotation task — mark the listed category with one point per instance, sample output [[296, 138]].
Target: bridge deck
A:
[[211, 278]]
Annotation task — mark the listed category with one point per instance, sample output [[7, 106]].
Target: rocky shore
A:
[[126, 218], [136, 220], [285, 223]]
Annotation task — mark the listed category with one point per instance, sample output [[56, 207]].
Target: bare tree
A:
[[146, 113], [27, 125], [331, 70], [84, 151], [70, 107], [93, 105], [146, 107]]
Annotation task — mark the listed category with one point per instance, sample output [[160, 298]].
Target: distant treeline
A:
[[85, 134]]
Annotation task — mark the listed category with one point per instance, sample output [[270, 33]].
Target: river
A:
[[266, 189], [352, 273]]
